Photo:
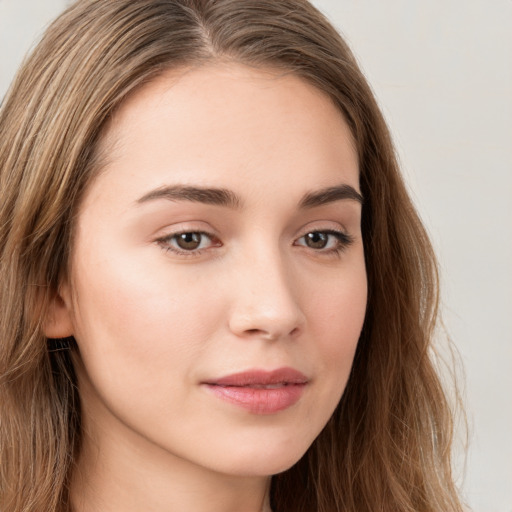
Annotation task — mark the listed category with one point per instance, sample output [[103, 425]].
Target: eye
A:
[[188, 242], [325, 241]]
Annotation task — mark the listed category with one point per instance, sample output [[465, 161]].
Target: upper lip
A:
[[258, 377]]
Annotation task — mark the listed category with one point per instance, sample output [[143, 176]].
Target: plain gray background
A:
[[442, 72]]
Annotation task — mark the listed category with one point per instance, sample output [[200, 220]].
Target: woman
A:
[[216, 294]]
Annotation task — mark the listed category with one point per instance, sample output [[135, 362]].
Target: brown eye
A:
[[325, 242], [191, 242], [188, 241], [317, 240]]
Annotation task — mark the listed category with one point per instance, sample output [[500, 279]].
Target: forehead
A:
[[225, 124]]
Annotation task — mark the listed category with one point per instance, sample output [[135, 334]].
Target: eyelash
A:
[[344, 240], [165, 243]]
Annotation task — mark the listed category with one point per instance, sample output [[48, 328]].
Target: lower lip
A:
[[260, 400]]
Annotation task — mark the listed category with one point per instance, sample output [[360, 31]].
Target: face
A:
[[218, 286]]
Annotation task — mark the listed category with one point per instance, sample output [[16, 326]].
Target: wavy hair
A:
[[387, 446]]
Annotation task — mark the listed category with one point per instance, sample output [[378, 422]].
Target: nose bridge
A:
[[266, 302]]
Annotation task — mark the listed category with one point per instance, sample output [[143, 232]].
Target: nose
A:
[[266, 301]]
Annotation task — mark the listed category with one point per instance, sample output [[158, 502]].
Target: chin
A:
[[266, 460]]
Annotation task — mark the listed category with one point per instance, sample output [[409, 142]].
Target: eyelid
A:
[[344, 240], [165, 240]]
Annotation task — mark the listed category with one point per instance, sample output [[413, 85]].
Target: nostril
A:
[[294, 331], [270, 334], [270, 317]]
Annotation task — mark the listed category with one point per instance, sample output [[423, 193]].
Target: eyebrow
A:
[[330, 195], [227, 198], [215, 196]]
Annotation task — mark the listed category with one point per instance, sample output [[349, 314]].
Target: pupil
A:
[[189, 241], [316, 240]]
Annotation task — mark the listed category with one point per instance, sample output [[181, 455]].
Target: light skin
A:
[[267, 272]]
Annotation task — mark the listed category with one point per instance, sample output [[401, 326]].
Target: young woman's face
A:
[[218, 284]]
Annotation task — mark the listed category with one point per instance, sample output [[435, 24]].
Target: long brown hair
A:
[[387, 446]]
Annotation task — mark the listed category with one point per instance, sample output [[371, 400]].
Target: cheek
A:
[[136, 320], [336, 317]]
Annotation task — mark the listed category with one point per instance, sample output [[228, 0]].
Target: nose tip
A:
[[270, 327], [266, 306]]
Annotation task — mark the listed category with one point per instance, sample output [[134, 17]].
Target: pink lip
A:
[[260, 391]]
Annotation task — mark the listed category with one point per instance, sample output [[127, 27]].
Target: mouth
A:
[[260, 391], [263, 386]]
